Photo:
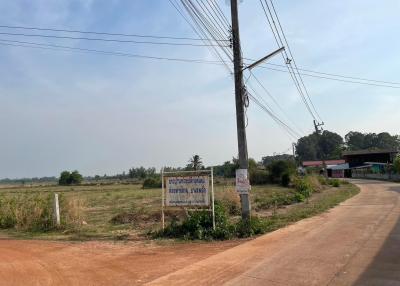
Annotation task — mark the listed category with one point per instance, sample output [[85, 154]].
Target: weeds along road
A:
[[356, 243]]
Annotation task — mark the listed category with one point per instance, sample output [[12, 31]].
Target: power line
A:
[[283, 125], [289, 67], [201, 27], [275, 101], [102, 52], [199, 31], [331, 78], [220, 12], [292, 57], [331, 74], [102, 33], [106, 40]]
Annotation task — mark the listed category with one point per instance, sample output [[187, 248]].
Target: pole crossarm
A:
[[264, 58]]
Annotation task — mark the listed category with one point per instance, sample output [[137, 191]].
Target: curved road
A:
[[356, 243]]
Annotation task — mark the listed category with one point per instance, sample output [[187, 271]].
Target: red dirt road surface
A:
[[356, 243]]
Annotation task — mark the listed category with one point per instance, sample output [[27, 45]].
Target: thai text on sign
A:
[[187, 191]]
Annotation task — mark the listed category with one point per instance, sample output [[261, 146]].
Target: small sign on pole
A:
[[242, 181]]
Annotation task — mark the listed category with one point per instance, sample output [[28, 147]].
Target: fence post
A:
[[57, 210], [162, 199], [212, 197]]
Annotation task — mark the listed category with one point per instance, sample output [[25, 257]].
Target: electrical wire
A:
[[275, 102], [284, 126], [101, 33], [292, 59], [290, 69], [111, 53], [198, 30], [200, 27], [329, 74], [331, 78], [106, 40]]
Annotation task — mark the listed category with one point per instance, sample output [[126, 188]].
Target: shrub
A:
[[152, 183], [258, 177], [334, 183], [199, 225], [322, 180], [278, 168], [396, 164], [303, 187], [70, 178], [315, 183], [247, 228], [285, 180]]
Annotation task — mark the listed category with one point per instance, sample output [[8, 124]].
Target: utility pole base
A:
[[245, 203]]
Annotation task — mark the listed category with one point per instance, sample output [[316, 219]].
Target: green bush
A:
[[278, 168], [303, 187], [334, 183], [248, 228], [199, 225], [396, 164], [70, 178], [258, 177], [285, 180], [152, 183]]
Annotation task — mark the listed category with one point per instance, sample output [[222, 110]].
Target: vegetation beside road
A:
[[274, 208], [128, 211]]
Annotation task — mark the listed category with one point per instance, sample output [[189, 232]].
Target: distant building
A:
[[362, 157], [357, 164], [321, 163], [373, 164], [335, 168]]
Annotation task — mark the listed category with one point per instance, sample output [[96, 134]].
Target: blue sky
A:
[[103, 114]]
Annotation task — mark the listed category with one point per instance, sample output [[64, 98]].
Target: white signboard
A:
[[242, 181], [187, 191]]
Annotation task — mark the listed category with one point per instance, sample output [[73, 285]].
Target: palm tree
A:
[[195, 162]]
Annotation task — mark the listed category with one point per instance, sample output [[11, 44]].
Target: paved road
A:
[[356, 243]]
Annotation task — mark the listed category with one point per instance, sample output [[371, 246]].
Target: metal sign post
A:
[[162, 198], [212, 197]]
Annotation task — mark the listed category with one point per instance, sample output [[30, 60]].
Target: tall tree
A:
[[328, 145], [363, 141], [195, 163]]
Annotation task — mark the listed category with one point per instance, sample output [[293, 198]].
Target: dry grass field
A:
[[129, 212]]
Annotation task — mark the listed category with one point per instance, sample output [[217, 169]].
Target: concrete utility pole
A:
[[319, 133], [240, 99], [294, 151]]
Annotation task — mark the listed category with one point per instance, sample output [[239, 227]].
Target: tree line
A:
[[329, 145]]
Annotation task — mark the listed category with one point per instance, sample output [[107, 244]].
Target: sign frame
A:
[[165, 174]]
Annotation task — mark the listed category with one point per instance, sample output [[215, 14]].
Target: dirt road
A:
[[356, 243], [96, 263]]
